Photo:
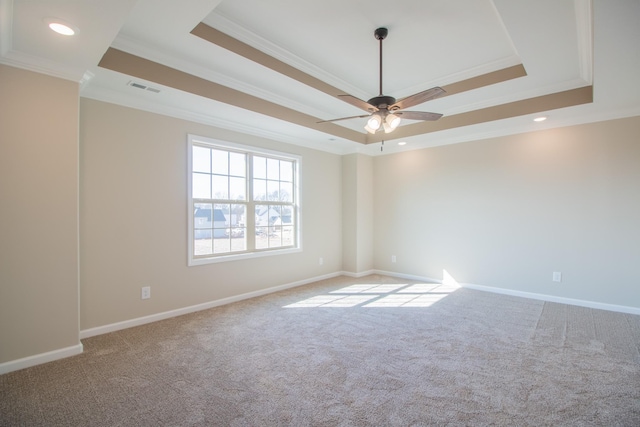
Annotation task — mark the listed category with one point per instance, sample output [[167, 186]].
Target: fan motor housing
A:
[[382, 102]]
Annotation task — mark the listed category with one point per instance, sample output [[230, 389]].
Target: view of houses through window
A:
[[242, 201]]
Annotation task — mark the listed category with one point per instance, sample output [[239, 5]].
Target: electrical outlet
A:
[[320, 261], [146, 292], [557, 276], [393, 258]]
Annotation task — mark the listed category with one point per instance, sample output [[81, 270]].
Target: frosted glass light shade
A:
[[374, 122], [393, 121]]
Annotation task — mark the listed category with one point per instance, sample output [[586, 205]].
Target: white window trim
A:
[[191, 260]]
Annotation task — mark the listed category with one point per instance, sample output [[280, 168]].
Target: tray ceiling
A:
[[274, 69]]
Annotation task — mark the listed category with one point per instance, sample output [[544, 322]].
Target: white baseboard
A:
[[407, 276], [38, 359], [523, 294], [50, 356], [87, 333], [552, 298], [357, 275]]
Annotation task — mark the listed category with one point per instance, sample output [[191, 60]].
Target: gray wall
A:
[[39, 214], [507, 212], [133, 217], [503, 212], [357, 210]]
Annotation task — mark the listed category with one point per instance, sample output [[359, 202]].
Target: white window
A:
[[243, 201]]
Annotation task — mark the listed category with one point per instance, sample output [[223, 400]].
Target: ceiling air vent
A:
[[143, 87]]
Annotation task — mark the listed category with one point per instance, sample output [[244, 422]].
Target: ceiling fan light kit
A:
[[374, 122], [384, 111], [392, 120]]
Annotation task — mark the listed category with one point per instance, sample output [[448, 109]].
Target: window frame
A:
[[250, 151]]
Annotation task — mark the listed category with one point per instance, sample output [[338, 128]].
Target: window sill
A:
[[239, 257]]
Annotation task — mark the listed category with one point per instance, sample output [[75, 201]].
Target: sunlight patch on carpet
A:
[[380, 296]]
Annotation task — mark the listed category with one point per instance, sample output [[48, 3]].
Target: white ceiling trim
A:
[[504, 27], [243, 34], [42, 65], [479, 70], [25, 61], [517, 96], [86, 78], [126, 100], [508, 127], [148, 52], [6, 26], [584, 23], [556, 123]]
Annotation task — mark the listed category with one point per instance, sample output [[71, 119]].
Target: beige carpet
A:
[[348, 352]]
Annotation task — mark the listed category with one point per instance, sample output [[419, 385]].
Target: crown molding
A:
[[475, 133], [244, 35], [476, 71], [584, 24], [125, 100], [17, 59], [42, 66], [520, 95], [151, 53], [6, 27]]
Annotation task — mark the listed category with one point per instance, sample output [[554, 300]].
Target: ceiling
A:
[[274, 69]]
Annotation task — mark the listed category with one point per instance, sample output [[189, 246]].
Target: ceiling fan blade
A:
[[418, 98], [417, 115], [358, 103], [343, 118]]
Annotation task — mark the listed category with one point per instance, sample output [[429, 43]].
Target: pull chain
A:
[[382, 146]]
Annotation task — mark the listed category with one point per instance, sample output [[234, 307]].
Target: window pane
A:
[[220, 187], [238, 188], [220, 215], [259, 167], [220, 162], [286, 171], [274, 237], [202, 216], [202, 246], [202, 242], [201, 159], [262, 215], [287, 235], [238, 217], [274, 215], [237, 164], [221, 245], [259, 189], [287, 216], [273, 169], [220, 224], [243, 183], [238, 228], [238, 243], [201, 186], [262, 237], [273, 190], [286, 192]]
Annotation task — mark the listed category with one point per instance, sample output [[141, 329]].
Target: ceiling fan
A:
[[384, 111]]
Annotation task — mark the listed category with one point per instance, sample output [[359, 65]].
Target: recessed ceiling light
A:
[[61, 27], [540, 119], [402, 143]]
